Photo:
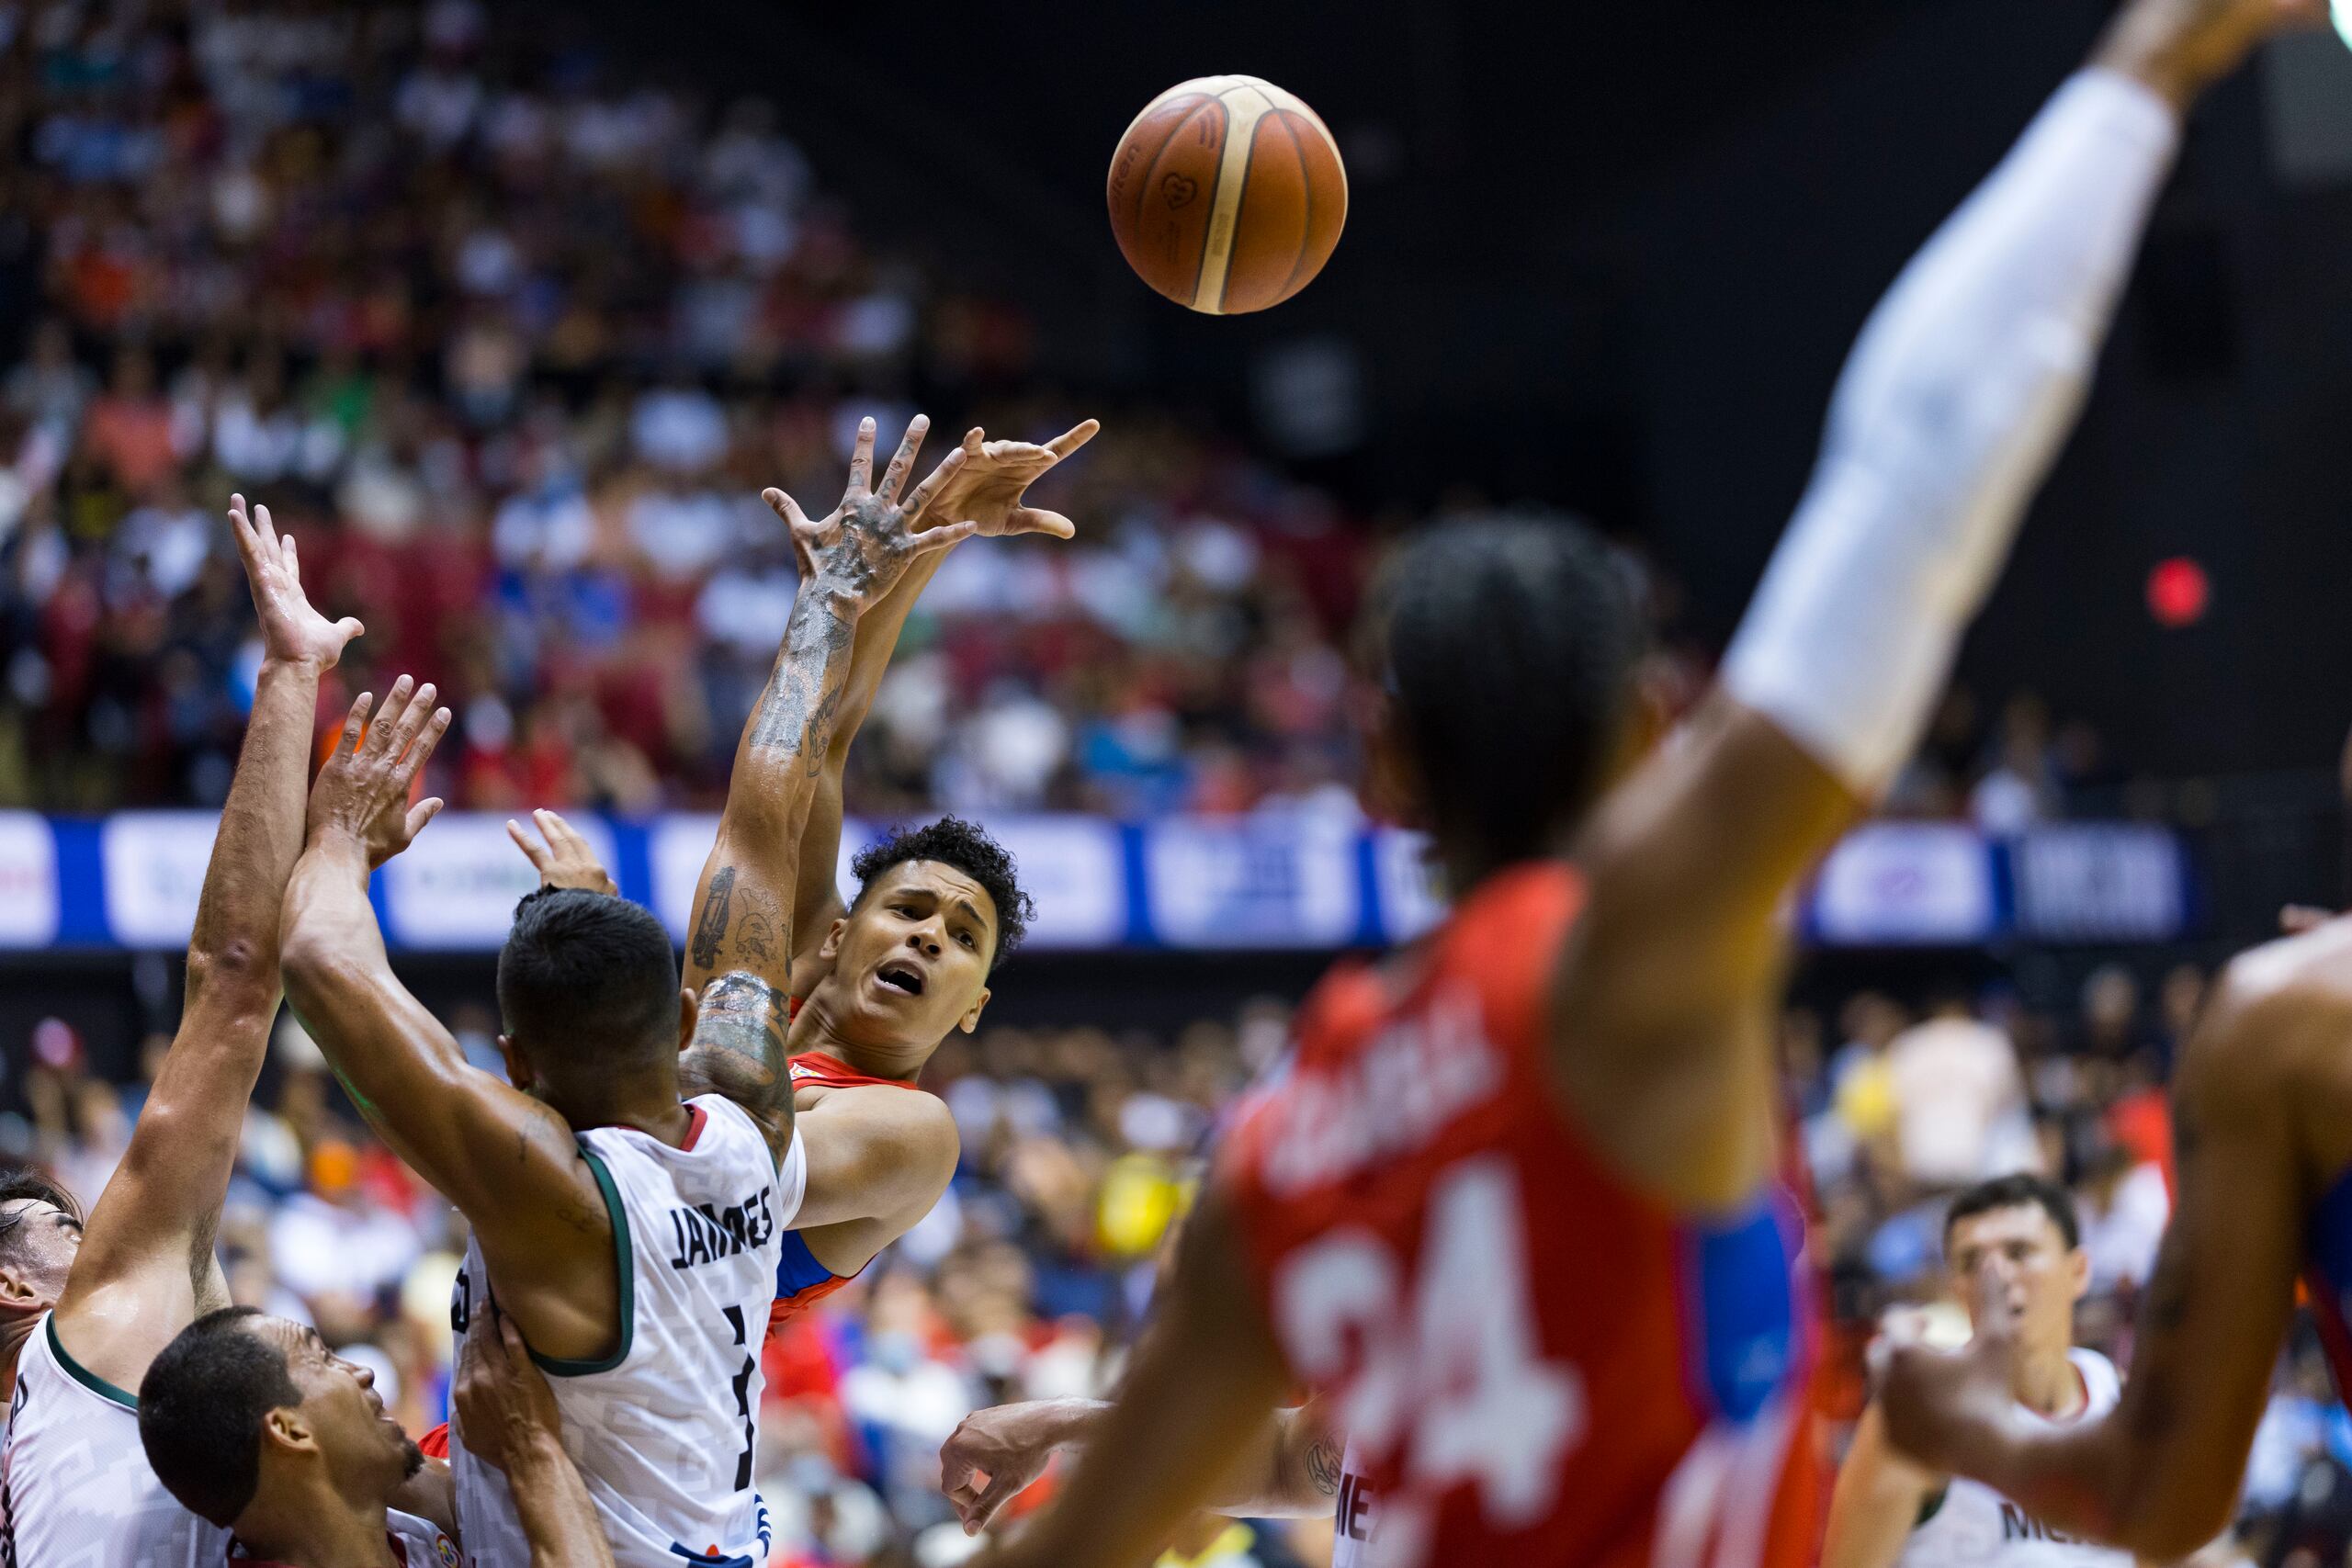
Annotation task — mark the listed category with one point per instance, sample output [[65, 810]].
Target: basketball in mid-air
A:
[[1228, 195]]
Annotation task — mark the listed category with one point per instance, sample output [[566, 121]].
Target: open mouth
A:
[[903, 977]]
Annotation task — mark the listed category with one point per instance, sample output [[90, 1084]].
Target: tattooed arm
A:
[[990, 492], [851, 561], [2159, 1473]]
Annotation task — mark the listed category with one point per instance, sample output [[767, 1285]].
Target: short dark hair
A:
[[201, 1407], [26, 1182], [2016, 1192], [951, 841], [1509, 648], [589, 974]]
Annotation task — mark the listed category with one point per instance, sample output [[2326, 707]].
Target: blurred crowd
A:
[[1080, 1154], [512, 341]]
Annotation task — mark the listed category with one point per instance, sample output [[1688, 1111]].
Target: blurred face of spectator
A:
[[38, 1236], [911, 962], [2043, 1276]]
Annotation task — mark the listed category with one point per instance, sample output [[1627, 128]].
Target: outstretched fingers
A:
[[420, 732], [894, 477], [354, 725], [928, 491], [1076, 436], [533, 850], [932, 540], [861, 464]]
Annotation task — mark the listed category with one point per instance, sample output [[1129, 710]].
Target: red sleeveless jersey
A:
[[1537, 1366]]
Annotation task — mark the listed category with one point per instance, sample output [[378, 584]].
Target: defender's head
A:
[[249, 1417], [2025, 1227], [937, 907], [40, 1230], [588, 994], [1508, 651]]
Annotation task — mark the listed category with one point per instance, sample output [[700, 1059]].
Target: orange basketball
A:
[[1228, 195]]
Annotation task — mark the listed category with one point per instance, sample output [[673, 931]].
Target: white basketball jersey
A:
[[662, 1430], [1357, 1513], [415, 1543], [1976, 1527], [75, 1487]]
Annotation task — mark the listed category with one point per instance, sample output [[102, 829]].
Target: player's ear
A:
[[518, 1069], [831, 947], [18, 1295], [287, 1428], [689, 1010], [972, 1021], [2078, 1274], [1392, 789]]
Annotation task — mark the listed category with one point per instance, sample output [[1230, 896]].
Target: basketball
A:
[[1228, 195]]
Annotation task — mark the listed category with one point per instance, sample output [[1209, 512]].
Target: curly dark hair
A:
[[951, 841]]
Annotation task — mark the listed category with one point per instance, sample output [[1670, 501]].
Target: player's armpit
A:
[[1659, 1009], [737, 1052], [1876, 1503], [1201, 1383]]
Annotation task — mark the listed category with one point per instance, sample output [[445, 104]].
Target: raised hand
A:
[[988, 493], [565, 860], [2181, 47], [856, 554], [292, 632], [363, 790]]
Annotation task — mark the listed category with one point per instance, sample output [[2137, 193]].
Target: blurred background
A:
[[510, 311]]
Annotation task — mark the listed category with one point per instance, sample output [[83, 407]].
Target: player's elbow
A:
[[2183, 1521], [228, 963]]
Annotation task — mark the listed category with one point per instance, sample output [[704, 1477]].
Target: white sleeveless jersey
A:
[[662, 1430], [1976, 1527], [1352, 1521], [75, 1487]]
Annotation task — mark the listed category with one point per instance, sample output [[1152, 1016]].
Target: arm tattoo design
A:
[[739, 1052], [711, 930], [758, 931], [796, 712], [1323, 1466]]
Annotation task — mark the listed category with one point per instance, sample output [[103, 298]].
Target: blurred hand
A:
[[1948, 1409], [2182, 47], [988, 491], [565, 860], [503, 1403], [858, 554], [363, 790], [292, 632], [993, 1455]]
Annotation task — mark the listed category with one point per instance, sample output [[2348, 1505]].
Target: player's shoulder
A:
[[2269, 998]]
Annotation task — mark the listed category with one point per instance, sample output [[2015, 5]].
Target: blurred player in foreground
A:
[[83, 1308], [631, 1231], [1888, 1511], [1511, 1208], [872, 986], [253, 1424]]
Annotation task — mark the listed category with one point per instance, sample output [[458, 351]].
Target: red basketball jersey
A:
[[1538, 1366]]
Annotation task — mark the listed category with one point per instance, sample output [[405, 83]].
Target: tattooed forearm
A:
[[739, 1052], [711, 928], [796, 712]]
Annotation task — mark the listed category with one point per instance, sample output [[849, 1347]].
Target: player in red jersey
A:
[[1512, 1207], [871, 988]]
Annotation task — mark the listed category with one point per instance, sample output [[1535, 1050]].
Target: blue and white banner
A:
[[1271, 881]]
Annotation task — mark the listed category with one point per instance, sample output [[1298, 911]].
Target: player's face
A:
[[2042, 1278], [367, 1453], [910, 963], [45, 1238]]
